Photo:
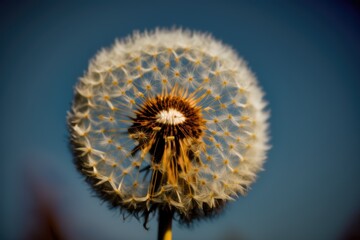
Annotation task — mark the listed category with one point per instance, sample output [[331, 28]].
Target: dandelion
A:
[[170, 121]]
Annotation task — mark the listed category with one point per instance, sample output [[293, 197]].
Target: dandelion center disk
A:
[[170, 116], [169, 119], [166, 127]]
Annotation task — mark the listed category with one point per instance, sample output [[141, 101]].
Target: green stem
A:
[[165, 222]]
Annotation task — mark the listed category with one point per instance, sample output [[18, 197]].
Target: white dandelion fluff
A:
[[169, 119]]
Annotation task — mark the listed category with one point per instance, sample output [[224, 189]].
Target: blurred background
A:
[[306, 57]]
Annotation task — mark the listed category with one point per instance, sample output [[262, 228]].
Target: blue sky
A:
[[305, 56]]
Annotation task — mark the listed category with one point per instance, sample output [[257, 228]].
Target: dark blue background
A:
[[305, 55]]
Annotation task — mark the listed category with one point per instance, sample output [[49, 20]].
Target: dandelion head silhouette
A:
[[169, 119]]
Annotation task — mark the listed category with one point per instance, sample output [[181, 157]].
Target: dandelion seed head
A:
[[169, 119]]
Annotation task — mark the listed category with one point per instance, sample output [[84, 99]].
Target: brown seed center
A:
[[171, 128], [167, 117]]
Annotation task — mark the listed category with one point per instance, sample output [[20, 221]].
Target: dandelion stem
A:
[[165, 222]]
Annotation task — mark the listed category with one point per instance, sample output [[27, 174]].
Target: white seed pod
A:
[[169, 119]]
